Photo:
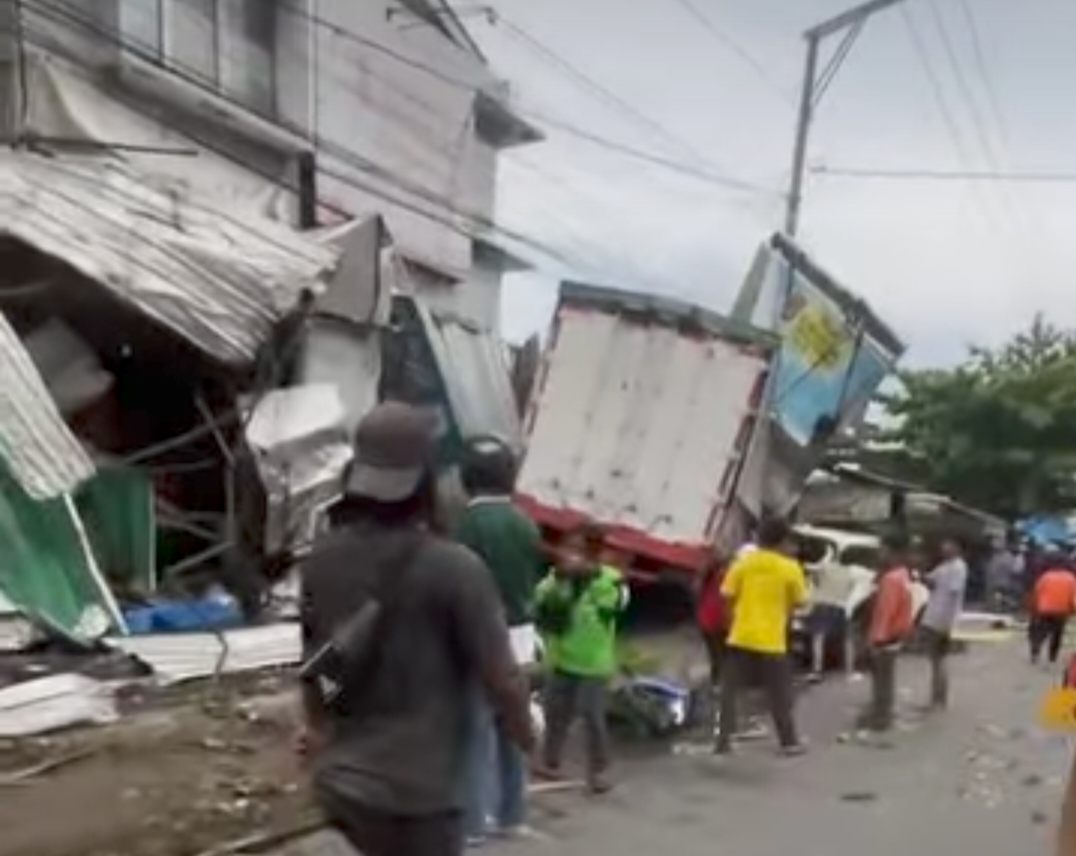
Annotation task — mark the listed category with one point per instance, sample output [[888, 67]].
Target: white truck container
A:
[[639, 421]]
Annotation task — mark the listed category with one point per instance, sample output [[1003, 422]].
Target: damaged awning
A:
[[216, 279]]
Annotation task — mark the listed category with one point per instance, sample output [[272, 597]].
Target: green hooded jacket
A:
[[578, 622]]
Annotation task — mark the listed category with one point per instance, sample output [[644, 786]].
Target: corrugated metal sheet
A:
[[179, 657], [217, 280], [636, 424], [35, 443], [476, 378]]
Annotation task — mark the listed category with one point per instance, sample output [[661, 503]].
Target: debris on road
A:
[[25, 775]]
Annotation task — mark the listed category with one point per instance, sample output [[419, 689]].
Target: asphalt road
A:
[[980, 779]]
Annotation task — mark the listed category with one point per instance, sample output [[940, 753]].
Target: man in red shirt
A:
[[891, 622], [714, 616], [711, 613]]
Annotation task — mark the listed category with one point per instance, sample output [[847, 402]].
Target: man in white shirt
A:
[[947, 582], [833, 586]]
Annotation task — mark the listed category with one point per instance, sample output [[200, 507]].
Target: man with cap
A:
[[387, 744], [510, 545]]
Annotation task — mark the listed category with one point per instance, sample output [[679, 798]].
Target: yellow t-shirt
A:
[[764, 587]]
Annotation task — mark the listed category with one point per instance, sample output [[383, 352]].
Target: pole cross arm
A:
[[847, 19]]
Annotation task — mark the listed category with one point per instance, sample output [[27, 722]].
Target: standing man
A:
[[831, 591], [399, 627], [891, 622], [947, 582], [1002, 577], [1053, 602], [763, 587], [511, 546], [578, 607], [712, 614]]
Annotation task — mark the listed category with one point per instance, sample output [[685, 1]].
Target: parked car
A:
[[855, 555]]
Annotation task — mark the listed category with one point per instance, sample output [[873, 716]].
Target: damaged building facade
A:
[[228, 227]]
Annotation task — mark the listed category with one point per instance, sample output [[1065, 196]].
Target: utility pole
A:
[[849, 23]]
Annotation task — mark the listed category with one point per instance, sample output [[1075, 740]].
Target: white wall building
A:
[[369, 106]]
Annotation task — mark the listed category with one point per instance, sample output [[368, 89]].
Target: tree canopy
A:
[[999, 430]]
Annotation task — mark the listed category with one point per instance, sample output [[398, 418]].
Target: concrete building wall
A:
[[385, 96]]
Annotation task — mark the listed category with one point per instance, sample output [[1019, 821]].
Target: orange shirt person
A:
[[1053, 602], [891, 622]]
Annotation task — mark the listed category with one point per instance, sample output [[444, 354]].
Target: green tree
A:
[[998, 431]]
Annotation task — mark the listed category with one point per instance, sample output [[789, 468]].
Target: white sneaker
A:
[[520, 832]]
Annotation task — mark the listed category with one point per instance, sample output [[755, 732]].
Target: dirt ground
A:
[[189, 770], [178, 776]]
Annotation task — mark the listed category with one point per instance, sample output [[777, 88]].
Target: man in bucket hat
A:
[[399, 627]]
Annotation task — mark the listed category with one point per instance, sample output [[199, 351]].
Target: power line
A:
[[597, 139], [423, 194], [962, 83], [496, 18], [947, 175], [731, 44], [942, 103], [151, 54], [603, 92], [993, 101], [979, 123], [649, 157]]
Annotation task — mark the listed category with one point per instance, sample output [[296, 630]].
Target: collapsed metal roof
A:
[[474, 371], [35, 443], [217, 280]]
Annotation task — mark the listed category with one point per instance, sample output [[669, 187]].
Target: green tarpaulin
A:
[[117, 509], [55, 555]]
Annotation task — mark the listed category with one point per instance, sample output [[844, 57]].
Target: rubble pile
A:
[[178, 390]]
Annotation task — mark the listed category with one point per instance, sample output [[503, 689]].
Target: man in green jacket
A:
[[577, 608], [510, 545]]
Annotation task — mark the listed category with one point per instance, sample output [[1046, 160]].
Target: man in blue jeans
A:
[[510, 545]]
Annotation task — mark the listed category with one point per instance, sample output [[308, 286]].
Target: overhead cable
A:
[[731, 44], [979, 125], [947, 175], [983, 68], [962, 83], [649, 157], [942, 103], [604, 93]]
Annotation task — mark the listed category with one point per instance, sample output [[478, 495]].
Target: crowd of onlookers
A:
[[421, 642], [746, 607]]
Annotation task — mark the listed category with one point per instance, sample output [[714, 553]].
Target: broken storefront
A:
[[179, 388]]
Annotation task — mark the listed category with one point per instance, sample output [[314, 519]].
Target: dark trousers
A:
[[570, 696], [716, 648], [938, 644], [1045, 629], [774, 672], [377, 833], [879, 714]]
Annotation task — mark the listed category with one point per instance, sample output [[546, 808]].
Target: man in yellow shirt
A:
[[763, 588]]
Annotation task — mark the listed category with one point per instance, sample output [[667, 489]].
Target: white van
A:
[[842, 561]]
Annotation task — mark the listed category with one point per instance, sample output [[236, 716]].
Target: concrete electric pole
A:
[[849, 23]]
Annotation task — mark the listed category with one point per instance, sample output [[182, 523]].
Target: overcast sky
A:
[[946, 263]]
